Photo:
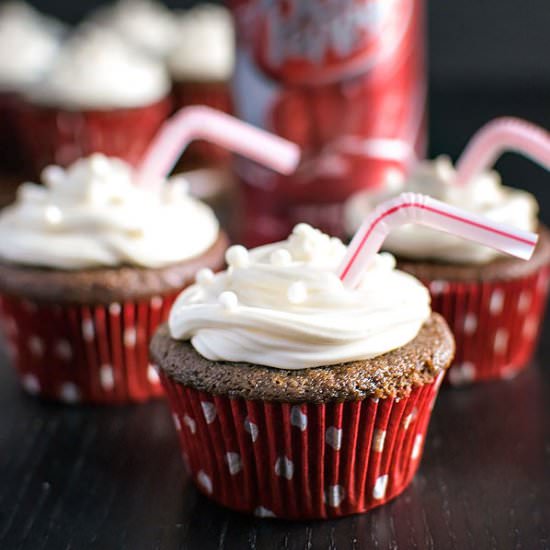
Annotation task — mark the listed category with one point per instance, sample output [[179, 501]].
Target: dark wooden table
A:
[[78, 478]]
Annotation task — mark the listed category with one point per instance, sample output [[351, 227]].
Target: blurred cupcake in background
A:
[[100, 95], [90, 264], [146, 24], [201, 64], [29, 43], [493, 303]]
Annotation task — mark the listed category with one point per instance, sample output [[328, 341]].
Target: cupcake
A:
[[90, 264], [293, 396], [146, 24], [28, 44], [101, 95], [493, 304], [201, 64]]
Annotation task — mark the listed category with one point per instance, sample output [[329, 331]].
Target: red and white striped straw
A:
[[498, 136], [421, 209], [191, 123]]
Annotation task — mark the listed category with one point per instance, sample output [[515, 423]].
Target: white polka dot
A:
[[501, 340], [524, 301], [470, 323], [209, 411], [438, 287], [205, 482], [130, 337], [409, 418], [284, 467], [88, 330], [234, 463], [262, 512], [251, 428], [530, 327], [460, 374], [156, 302], [107, 377], [417, 446], [152, 375], [36, 346], [496, 302], [63, 350], [69, 393], [378, 441], [333, 437], [177, 422], [298, 419], [509, 373], [380, 486], [375, 400], [190, 423], [115, 309], [334, 495], [31, 384]]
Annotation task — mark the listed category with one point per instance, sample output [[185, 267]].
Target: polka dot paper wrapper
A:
[[301, 461], [90, 354], [495, 324], [53, 136], [213, 94]]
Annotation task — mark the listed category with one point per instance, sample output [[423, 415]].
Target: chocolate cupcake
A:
[[29, 43], [493, 304], [295, 397], [90, 264], [101, 95]]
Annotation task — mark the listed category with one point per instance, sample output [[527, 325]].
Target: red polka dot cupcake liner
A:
[[85, 353], [56, 136], [215, 95], [495, 324], [301, 461]]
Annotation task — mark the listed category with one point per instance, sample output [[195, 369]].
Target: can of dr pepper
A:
[[344, 79]]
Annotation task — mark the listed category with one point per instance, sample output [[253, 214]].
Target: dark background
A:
[[473, 43]]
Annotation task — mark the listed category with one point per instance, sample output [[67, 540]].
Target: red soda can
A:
[[345, 80]]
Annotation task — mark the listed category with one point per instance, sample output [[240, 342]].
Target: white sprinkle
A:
[[52, 175], [297, 293], [302, 229], [53, 215], [205, 276], [237, 256], [281, 258], [229, 301]]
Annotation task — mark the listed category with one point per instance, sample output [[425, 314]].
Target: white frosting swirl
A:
[[283, 306], [205, 46], [93, 214], [98, 70], [28, 44], [147, 24], [484, 195]]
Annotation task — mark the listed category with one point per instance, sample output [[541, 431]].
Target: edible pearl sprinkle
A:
[[228, 300], [237, 256], [204, 276], [281, 258], [297, 293]]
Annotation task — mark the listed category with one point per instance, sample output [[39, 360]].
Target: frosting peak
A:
[[205, 44], [92, 214], [282, 305], [29, 42], [98, 70], [484, 195]]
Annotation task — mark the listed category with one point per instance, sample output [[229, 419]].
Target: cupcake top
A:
[[484, 195], [93, 215], [205, 45], [282, 305], [146, 24], [28, 44], [98, 70]]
